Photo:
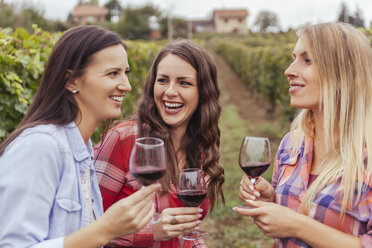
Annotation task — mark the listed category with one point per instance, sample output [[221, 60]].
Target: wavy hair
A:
[[202, 137], [53, 103], [343, 60]]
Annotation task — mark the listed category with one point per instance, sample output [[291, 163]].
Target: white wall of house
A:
[[230, 25]]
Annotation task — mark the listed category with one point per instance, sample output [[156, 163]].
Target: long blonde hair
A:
[[343, 60]]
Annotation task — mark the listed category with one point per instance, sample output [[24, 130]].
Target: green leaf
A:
[[22, 33]]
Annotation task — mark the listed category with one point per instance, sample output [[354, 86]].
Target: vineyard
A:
[[254, 97], [22, 61], [258, 59], [260, 62]]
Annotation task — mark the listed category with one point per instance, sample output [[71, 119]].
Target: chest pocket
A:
[[67, 217], [67, 210], [287, 166], [68, 205]]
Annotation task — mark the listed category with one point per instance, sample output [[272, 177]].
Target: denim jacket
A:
[[41, 200]]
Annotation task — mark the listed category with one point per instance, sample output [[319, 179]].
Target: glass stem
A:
[[253, 180]]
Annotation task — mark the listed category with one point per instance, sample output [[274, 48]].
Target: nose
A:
[[171, 90], [124, 84], [291, 70]]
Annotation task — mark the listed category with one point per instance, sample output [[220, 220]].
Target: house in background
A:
[[84, 14], [155, 32], [202, 26], [223, 21], [230, 21]]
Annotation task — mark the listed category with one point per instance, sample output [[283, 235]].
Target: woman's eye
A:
[[161, 80], [308, 60], [113, 73], [185, 83]]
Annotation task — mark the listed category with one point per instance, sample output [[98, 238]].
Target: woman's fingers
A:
[[182, 211], [246, 189], [245, 195], [261, 190], [176, 221], [146, 215], [180, 219], [184, 227], [257, 208]]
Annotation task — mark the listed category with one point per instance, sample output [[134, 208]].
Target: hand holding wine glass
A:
[[254, 157], [192, 191], [148, 164]]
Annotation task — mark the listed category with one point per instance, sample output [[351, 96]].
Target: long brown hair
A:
[[53, 104], [202, 137]]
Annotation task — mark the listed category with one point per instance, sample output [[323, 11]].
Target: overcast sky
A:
[[291, 13]]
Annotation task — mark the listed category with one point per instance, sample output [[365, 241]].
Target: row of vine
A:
[[22, 60]]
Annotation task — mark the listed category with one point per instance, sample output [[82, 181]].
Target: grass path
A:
[[243, 113]]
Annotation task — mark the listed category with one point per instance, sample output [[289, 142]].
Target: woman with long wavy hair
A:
[[322, 185], [179, 105]]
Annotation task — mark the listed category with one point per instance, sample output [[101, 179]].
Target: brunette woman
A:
[[48, 187], [179, 105]]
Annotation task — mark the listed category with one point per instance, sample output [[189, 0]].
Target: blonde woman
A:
[[321, 189]]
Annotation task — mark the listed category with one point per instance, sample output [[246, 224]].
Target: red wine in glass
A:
[[254, 170], [254, 157], [148, 174], [190, 198], [147, 163], [192, 191]]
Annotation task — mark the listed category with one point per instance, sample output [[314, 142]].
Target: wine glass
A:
[[192, 191], [147, 163], [254, 157]]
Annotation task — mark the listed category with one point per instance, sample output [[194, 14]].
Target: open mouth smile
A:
[[172, 107], [117, 98]]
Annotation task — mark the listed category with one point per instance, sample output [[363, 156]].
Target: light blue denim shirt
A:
[[41, 200]]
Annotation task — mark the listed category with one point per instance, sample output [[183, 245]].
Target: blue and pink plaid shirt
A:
[[291, 181]]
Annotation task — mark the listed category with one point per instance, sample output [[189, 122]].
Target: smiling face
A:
[[176, 91], [103, 84], [304, 85]]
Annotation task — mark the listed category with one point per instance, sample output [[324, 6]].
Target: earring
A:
[[74, 90]]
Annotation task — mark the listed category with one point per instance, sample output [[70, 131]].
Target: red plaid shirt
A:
[[116, 182]]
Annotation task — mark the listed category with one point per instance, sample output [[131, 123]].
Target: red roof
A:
[[230, 13]]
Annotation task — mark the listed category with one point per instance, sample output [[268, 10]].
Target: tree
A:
[[88, 2], [134, 22], [266, 19], [113, 9], [179, 27], [343, 16], [24, 16], [356, 19], [8, 16]]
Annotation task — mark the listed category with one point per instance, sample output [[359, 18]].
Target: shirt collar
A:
[[79, 149], [288, 156]]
